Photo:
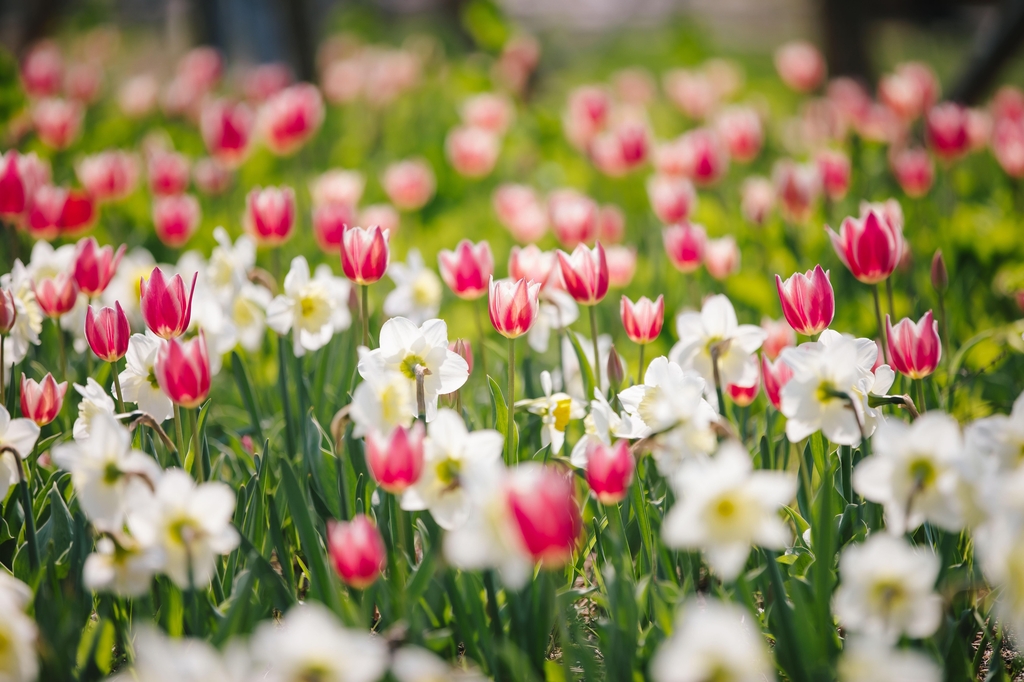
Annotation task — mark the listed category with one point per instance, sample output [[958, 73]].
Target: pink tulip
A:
[[182, 370], [902, 93], [291, 117], [797, 187], [57, 295], [270, 215], [692, 92], [338, 187], [834, 168], [685, 243], [521, 211], [8, 311], [41, 401], [927, 81], [634, 86], [383, 215], [743, 395], [166, 308], [1008, 103], [621, 265], [914, 347], [409, 184], [1008, 146], [176, 218], [468, 269], [800, 65], [741, 130], [57, 121], [329, 224], [850, 100], [488, 111], [201, 68], [914, 171], [542, 503], [722, 257], [227, 128], [622, 148], [138, 95], [513, 306], [808, 302], [95, 266], [586, 115], [704, 156], [108, 176], [357, 551], [611, 224], [574, 217], [757, 199], [365, 254], [266, 80], [610, 470], [585, 273], [77, 214], [775, 375], [396, 461], [107, 332], [472, 151], [168, 173], [672, 198], [83, 82], [531, 264], [870, 246], [42, 70], [946, 130], [779, 335], [642, 320], [211, 176], [44, 211], [979, 129]]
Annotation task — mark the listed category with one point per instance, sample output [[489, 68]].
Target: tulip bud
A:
[[397, 460], [543, 507], [914, 348], [357, 551], [467, 270], [513, 306], [743, 395], [365, 254], [57, 295], [165, 308], [107, 332], [8, 312], [615, 370], [642, 320], [270, 215], [610, 470], [940, 278], [95, 266], [41, 401], [464, 350], [183, 371], [585, 273]]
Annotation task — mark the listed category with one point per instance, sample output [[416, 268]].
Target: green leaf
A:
[[315, 553], [500, 409], [245, 390], [55, 536], [585, 369]]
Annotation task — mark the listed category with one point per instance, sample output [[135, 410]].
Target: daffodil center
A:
[[111, 474], [561, 413], [183, 530], [425, 290], [151, 378], [447, 471], [408, 366], [888, 594], [923, 473]]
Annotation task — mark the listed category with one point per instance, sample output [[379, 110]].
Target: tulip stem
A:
[[178, 431], [597, 354], [921, 407], [26, 506], [510, 424], [3, 373], [881, 328], [197, 460], [117, 387], [888, 293], [480, 335], [640, 371], [364, 312], [63, 351]]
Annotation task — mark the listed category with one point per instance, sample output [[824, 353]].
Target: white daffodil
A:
[[449, 451], [191, 524], [603, 424], [21, 435], [868, 659], [417, 292], [104, 468], [121, 565], [1000, 549], [138, 380], [248, 313], [47, 261], [312, 308], [724, 507], [95, 400], [887, 590], [557, 310], [18, 632], [556, 410], [825, 371], [572, 375], [671, 405], [416, 664], [715, 330], [310, 644], [713, 640], [124, 287], [219, 330], [159, 658], [1000, 436], [913, 473], [29, 321], [404, 346], [229, 265], [382, 401]]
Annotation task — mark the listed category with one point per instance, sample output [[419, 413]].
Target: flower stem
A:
[[178, 432], [3, 373], [510, 423], [197, 460], [640, 371], [63, 350], [480, 335], [718, 381], [888, 294], [597, 354], [117, 387], [364, 312], [881, 328], [26, 506], [921, 407]]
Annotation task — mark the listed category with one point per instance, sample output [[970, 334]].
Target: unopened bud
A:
[[464, 350], [8, 313], [616, 370], [940, 278]]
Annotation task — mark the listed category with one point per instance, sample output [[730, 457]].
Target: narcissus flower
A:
[[585, 274], [870, 246], [139, 384], [715, 333], [685, 243], [396, 459], [95, 266], [365, 254], [642, 320], [183, 370], [270, 215], [468, 269], [556, 409], [313, 309], [513, 306], [808, 302], [418, 290], [41, 400], [166, 308], [357, 551], [108, 332], [914, 347]]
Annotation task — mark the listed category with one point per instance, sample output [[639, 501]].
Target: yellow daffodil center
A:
[[111, 474], [887, 594], [243, 312], [426, 290], [314, 309], [561, 413], [447, 471], [923, 473], [408, 366]]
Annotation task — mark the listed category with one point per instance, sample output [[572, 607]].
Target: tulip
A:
[[472, 151], [685, 243], [611, 224], [107, 332], [8, 312], [621, 149], [95, 266], [621, 265], [610, 470], [587, 113], [704, 157], [775, 375], [574, 217], [779, 335], [138, 95], [42, 70], [464, 350], [227, 130], [14, 197], [521, 211], [468, 269], [165, 307], [939, 275], [338, 187], [946, 130], [914, 348], [585, 273], [108, 176], [83, 82], [396, 461], [41, 401], [270, 215], [797, 187], [673, 199], [168, 173], [78, 213], [834, 167], [488, 111], [57, 122], [329, 224], [182, 370], [616, 370], [176, 218], [722, 257], [870, 246], [513, 306], [692, 92], [383, 215], [979, 129], [57, 295], [543, 508], [741, 130], [211, 176], [914, 171], [357, 551], [262, 82], [409, 184], [757, 199], [365, 254], [201, 67], [531, 264], [800, 65], [44, 211], [743, 396], [808, 302], [642, 321], [291, 117], [634, 85]]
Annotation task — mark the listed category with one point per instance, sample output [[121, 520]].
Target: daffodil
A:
[[313, 309], [556, 410]]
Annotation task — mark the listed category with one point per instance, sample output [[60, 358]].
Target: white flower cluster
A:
[[17, 631]]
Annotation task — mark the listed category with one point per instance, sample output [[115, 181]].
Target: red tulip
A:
[[41, 401], [743, 395], [409, 184], [870, 246], [946, 129], [914, 347], [585, 273], [610, 470], [57, 121], [722, 257], [8, 311], [168, 173], [165, 307], [672, 198], [95, 266], [108, 176], [270, 215], [227, 130], [78, 213], [775, 375], [642, 320], [574, 217], [183, 371], [542, 503], [365, 254], [513, 306], [42, 70], [779, 335], [834, 167], [107, 332], [357, 551], [176, 218], [800, 65], [472, 151], [329, 224], [468, 269], [531, 264], [808, 302], [621, 265], [741, 130], [914, 171], [13, 196], [291, 117], [684, 244], [396, 461], [57, 295]]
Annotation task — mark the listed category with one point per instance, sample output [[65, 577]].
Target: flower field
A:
[[501, 364]]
